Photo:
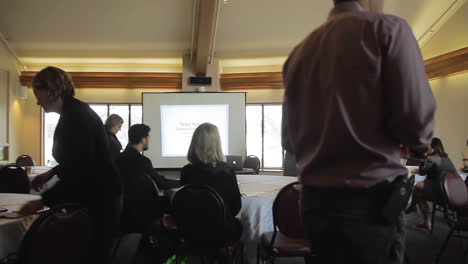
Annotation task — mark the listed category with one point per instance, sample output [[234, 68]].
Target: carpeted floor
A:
[[422, 246]]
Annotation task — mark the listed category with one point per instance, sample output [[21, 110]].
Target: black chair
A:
[[64, 234], [287, 238], [199, 213], [252, 162], [455, 197], [24, 161], [13, 179]]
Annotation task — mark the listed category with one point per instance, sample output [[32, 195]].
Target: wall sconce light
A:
[[23, 92]]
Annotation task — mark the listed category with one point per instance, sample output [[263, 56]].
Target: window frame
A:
[[262, 158], [43, 124]]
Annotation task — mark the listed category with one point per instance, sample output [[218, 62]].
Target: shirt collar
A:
[[351, 6]]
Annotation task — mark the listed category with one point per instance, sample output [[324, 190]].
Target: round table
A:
[[258, 193], [13, 230]]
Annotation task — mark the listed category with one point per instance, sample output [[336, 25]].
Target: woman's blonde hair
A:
[[112, 121], [206, 145], [56, 81]]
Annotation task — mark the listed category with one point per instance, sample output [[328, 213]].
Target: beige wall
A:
[[8, 63], [452, 114]]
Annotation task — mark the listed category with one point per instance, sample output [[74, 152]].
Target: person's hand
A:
[[414, 171], [40, 180], [31, 207]]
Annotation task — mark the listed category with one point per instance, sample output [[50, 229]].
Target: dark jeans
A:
[[346, 226]]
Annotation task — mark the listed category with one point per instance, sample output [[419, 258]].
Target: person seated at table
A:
[[142, 205], [436, 162], [465, 159], [113, 125], [86, 173], [140, 137], [207, 167]]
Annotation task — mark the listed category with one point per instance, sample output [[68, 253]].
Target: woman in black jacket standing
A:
[[207, 167], [113, 125], [86, 173]]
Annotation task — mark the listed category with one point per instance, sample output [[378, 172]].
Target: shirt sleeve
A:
[[235, 196], [162, 182], [410, 105], [426, 166]]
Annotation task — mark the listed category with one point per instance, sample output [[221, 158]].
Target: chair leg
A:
[[258, 253], [465, 253], [433, 216], [442, 249], [405, 258]]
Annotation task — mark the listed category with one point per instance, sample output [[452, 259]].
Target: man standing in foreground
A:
[[355, 90]]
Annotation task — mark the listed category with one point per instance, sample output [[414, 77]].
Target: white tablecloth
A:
[[259, 192], [13, 230]]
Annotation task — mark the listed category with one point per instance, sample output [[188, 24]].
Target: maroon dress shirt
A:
[[355, 90]]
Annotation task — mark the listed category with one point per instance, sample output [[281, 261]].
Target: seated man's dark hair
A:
[[137, 132]]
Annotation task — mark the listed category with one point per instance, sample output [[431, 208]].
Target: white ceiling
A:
[[162, 28]]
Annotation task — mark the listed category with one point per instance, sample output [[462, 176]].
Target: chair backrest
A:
[[252, 162], [24, 160], [287, 211], [64, 234], [199, 214], [454, 191], [13, 179]]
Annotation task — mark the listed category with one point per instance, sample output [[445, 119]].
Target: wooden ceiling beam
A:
[[207, 16], [447, 64]]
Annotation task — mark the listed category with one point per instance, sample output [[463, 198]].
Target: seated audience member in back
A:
[[433, 166], [145, 163], [465, 158], [113, 125], [142, 204], [207, 167]]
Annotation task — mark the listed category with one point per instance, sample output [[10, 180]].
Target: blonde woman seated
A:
[[207, 167]]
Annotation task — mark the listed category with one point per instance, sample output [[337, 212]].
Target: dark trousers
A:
[[346, 226]]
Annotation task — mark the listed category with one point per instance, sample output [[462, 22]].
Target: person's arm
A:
[[162, 182], [285, 143], [426, 166], [410, 104], [235, 195]]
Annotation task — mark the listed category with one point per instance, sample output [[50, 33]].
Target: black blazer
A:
[[81, 149], [221, 177], [114, 145], [141, 204], [162, 182]]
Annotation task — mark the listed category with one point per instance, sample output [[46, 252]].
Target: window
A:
[[263, 123], [264, 134], [130, 113]]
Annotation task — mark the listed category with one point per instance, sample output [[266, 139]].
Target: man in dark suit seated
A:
[[142, 205]]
